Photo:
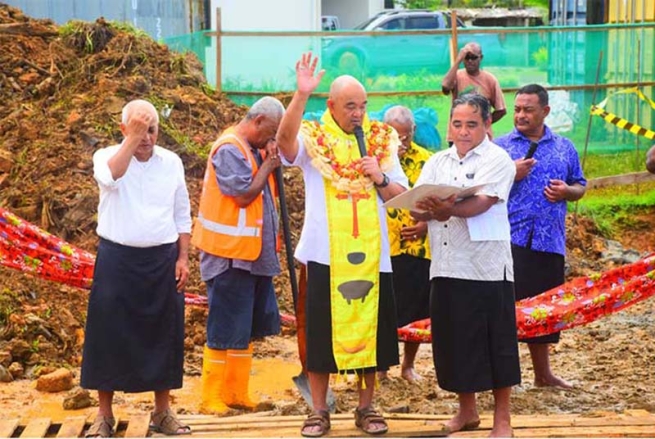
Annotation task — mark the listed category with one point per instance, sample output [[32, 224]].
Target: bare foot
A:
[[552, 381], [459, 423], [502, 431], [410, 374]]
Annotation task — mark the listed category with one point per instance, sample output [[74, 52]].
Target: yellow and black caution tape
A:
[[599, 110]]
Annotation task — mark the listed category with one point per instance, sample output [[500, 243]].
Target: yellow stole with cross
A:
[[354, 231]]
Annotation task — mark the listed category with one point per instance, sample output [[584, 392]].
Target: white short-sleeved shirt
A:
[[314, 244], [146, 207], [454, 254]]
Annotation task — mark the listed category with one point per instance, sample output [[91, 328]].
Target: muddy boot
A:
[[237, 377], [213, 374]]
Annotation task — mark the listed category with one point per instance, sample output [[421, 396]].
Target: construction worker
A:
[[236, 232]]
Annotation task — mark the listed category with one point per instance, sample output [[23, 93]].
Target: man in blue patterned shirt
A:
[[543, 185]]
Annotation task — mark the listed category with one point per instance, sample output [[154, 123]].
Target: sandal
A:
[[103, 426], [167, 423], [319, 418], [366, 417]]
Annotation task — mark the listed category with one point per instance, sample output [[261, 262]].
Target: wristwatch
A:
[[385, 181]]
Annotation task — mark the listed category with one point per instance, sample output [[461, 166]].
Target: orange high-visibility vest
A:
[[222, 228]]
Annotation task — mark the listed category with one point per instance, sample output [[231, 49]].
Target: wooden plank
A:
[[339, 429], [423, 425], [356, 33], [138, 426], [72, 427], [620, 180], [7, 427], [639, 413], [285, 93], [592, 432], [520, 420], [37, 427], [546, 421]]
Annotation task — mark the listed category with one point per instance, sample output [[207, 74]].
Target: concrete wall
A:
[[268, 15], [245, 61]]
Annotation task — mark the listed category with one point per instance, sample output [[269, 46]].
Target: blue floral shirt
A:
[[537, 223]]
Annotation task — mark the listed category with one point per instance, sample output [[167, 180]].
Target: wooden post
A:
[[638, 100], [586, 140], [453, 36], [219, 30]]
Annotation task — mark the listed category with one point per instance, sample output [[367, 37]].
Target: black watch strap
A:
[[385, 181]]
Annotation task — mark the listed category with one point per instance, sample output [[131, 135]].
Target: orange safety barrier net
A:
[[25, 247], [578, 302]]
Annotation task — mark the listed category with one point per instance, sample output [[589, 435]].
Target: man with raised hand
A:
[[351, 316]]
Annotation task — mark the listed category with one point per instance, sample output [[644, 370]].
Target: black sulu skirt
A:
[[411, 286], [534, 273], [474, 335], [134, 339]]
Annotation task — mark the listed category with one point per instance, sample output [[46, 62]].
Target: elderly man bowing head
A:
[[236, 232]]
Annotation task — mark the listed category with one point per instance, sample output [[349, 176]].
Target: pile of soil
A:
[[63, 90]]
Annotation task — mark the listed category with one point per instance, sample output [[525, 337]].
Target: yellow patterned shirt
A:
[[412, 162]]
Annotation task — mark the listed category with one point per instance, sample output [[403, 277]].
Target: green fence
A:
[[407, 68]]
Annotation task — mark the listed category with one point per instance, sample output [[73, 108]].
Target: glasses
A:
[[472, 57]]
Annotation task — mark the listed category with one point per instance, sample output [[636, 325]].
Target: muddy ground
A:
[[62, 92]]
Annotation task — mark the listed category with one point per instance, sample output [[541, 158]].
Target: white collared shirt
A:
[[146, 207], [454, 253]]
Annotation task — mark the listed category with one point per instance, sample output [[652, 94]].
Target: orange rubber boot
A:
[[237, 378], [213, 378]]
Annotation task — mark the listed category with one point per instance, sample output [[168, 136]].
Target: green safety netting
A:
[[407, 69]]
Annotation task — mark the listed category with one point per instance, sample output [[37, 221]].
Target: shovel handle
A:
[[286, 230]]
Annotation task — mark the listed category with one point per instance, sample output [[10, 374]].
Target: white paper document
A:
[[491, 225], [408, 199]]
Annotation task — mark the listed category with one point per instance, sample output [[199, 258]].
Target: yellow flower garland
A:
[[347, 176]]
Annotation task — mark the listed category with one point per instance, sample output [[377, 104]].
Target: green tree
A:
[[419, 4]]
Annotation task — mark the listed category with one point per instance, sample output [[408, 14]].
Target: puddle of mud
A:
[[270, 380]]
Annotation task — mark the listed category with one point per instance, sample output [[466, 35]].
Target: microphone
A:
[[533, 148], [361, 142]]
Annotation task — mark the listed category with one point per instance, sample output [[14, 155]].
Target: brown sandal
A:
[[167, 423], [364, 418], [103, 426], [319, 418]]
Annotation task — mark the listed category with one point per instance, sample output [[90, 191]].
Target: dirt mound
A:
[[63, 89]]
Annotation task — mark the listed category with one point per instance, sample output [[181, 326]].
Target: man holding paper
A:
[[472, 297]]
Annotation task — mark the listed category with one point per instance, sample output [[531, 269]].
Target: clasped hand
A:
[[272, 161], [557, 190], [435, 208]]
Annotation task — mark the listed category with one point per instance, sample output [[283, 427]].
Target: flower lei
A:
[[346, 175]]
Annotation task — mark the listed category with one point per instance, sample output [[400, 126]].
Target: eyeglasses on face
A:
[[472, 57]]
